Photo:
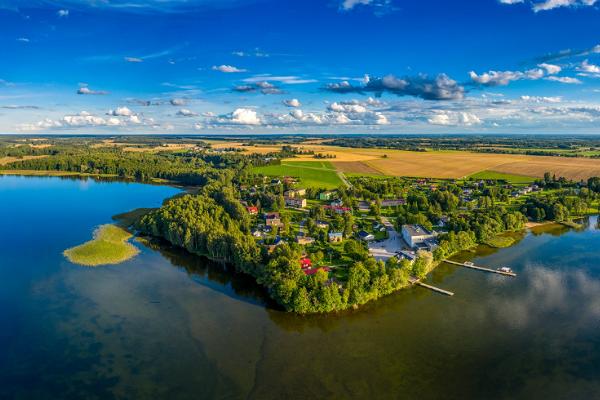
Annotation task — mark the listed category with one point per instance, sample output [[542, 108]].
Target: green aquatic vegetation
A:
[[109, 246], [500, 242]]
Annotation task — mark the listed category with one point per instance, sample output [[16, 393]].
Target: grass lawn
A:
[[500, 176], [317, 174], [109, 246]]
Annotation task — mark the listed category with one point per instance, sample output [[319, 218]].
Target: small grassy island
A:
[[500, 242], [109, 246]]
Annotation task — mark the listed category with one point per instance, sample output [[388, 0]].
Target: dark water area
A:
[[169, 325]]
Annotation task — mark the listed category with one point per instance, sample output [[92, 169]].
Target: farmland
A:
[[319, 174], [436, 164]]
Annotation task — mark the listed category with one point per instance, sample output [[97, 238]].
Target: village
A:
[[328, 223]]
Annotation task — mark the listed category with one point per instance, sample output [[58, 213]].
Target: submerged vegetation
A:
[[109, 246]]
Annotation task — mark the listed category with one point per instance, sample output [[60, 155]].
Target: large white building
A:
[[415, 235]]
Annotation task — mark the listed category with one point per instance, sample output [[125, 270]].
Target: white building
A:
[[414, 235]]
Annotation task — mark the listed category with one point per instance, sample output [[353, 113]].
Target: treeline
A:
[[187, 169]]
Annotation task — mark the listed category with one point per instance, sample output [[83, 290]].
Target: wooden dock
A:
[[435, 289], [495, 271], [416, 281]]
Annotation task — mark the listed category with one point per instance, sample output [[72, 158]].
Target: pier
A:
[[495, 271], [418, 282]]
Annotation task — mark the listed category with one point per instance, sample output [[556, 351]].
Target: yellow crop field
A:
[[434, 164], [7, 160]]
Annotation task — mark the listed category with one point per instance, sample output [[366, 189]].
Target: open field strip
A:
[[8, 160]]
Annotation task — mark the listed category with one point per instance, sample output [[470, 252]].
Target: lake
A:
[[169, 325]]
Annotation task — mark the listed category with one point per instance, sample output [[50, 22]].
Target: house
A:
[[338, 209], [393, 202], [407, 255], [252, 210], [273, 219], [414, 235], [364, 206], [305, 262], [275, 182], [327, 195], [292, 193], [335, 237], [337, 203], [295, 202], [322, 224], [366, 236], [258, 234], [304, 240]]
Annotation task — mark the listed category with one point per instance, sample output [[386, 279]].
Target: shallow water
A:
[[169, 325]]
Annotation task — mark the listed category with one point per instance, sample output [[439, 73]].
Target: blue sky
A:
[[326, 66]]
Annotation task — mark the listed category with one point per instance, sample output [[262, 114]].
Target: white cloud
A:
[[541, 99], [589, 70], [133, 59], [545, 5], [87, 90], [564, 79], [551, 69], [451, 118], [503, 78], [121, 112], [350, 4], [240, 116], [23, 40], [62, 13], [552, 4], [178, 102], [292, 103], [184, 112], [228, 69], [286, 79]]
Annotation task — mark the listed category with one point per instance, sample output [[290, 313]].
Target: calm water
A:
[[167, 325]]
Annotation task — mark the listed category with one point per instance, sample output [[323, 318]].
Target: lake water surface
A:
[[168, 325]]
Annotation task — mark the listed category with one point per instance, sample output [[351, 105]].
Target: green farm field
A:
[[505, 177], [318, 174]]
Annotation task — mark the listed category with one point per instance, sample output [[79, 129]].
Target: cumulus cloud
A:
[[228, 69], [178, 102], [588, 69], [551, 69], [503, 78], [184, 112], [292, 103], [452, 118], [82, 120], [422, 86], [62, 13], [86, 90], [121, 112], [240, 116], [263, 86]]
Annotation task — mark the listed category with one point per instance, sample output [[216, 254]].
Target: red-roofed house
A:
[[305, 263], [252, 210]]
